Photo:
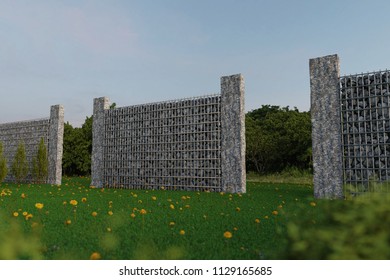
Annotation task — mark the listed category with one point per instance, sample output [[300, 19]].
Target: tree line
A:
[[276, 138]]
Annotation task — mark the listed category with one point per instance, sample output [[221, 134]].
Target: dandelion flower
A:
[[172, 224], [275, 212], [109, 229], [257, 221], [110, 213], [238, 209], [23, 195], [143, 212], [84, 200], [15, 214], [182, 232], [64, 203], [94, 214], [172, 206], [39, 205], [228, 235], [154, 198], [132, 215], [28, 217], [68, 222], [313, 204], [95, 256], [73, 202]]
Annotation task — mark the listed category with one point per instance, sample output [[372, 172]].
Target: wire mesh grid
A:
[[174, 144], [27, 132], [365, 124]]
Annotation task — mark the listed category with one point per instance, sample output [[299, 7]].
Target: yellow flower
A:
[[39, 205], [228, 235], [73, 202], [64, 203], [15, 214], [132, 215], [110, 213], [25, 213], [275, 213], [172, 206], [142, 211], [266, 217], [109, 229], [257, 221], [29, 216], [83, 199], [154, 198], [68, 222], [172, 224], [95, 256], [182, 232], [235, 228], [313, 204], [238, 209], [94, 214], [23, 195], [187, 206]]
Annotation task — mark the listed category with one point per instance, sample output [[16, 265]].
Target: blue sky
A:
[[69, 52]]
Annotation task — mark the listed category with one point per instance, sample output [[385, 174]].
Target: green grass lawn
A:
[[143, 224]]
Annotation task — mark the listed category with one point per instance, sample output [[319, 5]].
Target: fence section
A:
[[188, 144], [30, 133], [365, 118], [350, 128]]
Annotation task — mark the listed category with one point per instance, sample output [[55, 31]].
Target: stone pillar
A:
[[326, 127], [99, 106], [233, 134], [55, 145]]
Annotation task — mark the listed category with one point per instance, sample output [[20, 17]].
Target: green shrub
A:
[[342, 230], [40, 164], [3, 164], [19, 168]]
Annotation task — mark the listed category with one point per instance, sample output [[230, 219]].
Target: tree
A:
[[19, 168], [3, 164], [77, 149], [278, 138], [40, 164]]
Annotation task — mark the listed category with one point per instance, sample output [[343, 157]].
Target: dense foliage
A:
[[357, 229], [277, 138], [77, 148]]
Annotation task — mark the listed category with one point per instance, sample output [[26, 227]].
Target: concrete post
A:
[[326, 127], [233, 134], [55, 145], [99, 106]]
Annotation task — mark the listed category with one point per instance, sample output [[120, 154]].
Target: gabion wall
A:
[[182, 144], [365, 107], [350, 128], [30, 133]]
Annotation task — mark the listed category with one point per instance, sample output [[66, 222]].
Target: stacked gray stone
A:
[[326, 127], [30, 133], [365, 118], [187, 144]]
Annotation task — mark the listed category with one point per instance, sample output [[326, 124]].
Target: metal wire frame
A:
[[365, 124], [173, 144]]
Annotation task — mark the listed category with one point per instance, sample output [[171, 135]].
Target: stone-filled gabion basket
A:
[[365, 108]]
